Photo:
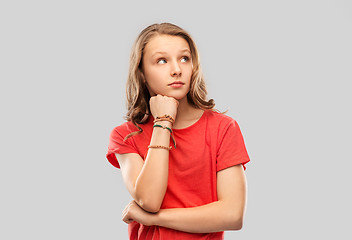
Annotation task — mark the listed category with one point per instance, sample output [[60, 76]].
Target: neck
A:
[[186, 112]]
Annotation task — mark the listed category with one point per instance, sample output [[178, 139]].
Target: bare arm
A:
[[224, 214], [147, 180]]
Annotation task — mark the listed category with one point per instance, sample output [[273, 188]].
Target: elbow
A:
[[149, 204], [235, 221], [150, 207], [236, 224]]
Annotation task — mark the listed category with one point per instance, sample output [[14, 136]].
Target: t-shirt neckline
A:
[[191, 126]]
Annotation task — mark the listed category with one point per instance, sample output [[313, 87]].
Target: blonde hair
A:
[[136, 91]]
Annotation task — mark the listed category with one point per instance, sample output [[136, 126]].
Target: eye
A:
[[184, 59], [161, 61]]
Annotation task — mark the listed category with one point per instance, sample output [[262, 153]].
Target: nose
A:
[[175, 70]]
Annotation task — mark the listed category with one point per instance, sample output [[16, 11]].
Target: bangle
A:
[[171, 133], [159, 146]]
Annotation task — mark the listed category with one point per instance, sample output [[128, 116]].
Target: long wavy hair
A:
[[138, 96]]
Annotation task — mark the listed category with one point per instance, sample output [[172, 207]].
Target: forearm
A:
[[152, 181], [212, 217]]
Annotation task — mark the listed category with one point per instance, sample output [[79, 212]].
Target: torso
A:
[[207, 142]]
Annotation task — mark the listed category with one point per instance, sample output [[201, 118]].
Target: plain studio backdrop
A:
[[281, 68]]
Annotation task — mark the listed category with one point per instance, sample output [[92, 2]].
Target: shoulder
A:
[[219, 119], [123, 130], [127, 128], [222, 125]]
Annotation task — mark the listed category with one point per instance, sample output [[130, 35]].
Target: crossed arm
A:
[[224, 214], [146, 180]]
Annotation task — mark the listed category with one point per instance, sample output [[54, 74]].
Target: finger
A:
[[127, 219], [125, 211], [127, 208]]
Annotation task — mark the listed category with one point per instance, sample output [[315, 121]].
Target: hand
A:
[[133, 212], [161, 105]]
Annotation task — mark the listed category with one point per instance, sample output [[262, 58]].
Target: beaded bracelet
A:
[[159, 146], [172, 134], [165, 118]]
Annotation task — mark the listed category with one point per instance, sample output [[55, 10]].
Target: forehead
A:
[[165, 43]]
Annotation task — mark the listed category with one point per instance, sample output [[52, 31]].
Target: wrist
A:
[[156, 219], [168, 128], [166, 117], [164, 123]]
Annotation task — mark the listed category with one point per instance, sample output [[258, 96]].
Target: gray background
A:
[[282, 68]]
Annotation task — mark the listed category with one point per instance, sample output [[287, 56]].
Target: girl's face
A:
[[167, 66]]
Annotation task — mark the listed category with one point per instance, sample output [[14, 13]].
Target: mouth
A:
[[177, 83]]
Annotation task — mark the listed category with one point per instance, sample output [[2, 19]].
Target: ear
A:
[[142, 76]]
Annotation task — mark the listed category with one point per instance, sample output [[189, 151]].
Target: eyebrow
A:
[[181, 51]]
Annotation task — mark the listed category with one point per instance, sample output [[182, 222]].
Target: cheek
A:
[[154, 71], [155, 78], [188, 73], [149, 74]]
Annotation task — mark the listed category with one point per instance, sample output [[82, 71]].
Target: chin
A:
[[177, 96]]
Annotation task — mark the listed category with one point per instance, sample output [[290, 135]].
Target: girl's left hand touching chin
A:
[[133, 212]]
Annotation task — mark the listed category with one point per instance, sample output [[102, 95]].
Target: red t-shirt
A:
[[211, 144]]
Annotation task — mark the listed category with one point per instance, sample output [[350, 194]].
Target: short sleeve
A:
[[231, 150], [118, 145]]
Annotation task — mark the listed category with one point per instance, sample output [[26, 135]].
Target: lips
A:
[[177, 83]]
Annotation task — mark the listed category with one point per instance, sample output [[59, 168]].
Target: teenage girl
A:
[[181, 160]]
